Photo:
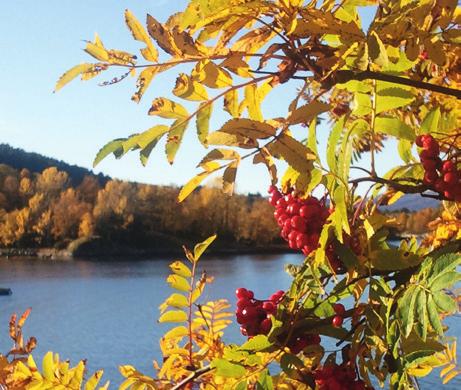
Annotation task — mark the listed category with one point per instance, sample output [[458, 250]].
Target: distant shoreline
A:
[[136, 254]]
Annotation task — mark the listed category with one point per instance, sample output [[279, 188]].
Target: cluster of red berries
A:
[[253, 315], [301, 220], [339, 317], [442, 176], [338, 377]]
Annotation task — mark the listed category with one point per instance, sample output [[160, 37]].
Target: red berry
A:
[[241, 293], [439, 185], [302, 240], [274, 198], [293, 235], [448, 166], [293, 208], [298, 223], [285, 232], [339, 309], [272, 189], [450, 195], [419, 140], [337, 321], [281, 203], [249, 313], [310, 211], [265, 326], [429, 165], [430, 177], [269, 307], [451, 178]]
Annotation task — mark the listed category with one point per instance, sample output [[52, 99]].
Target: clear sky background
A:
[[42, 39]]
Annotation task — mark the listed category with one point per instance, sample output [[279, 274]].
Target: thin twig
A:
[[191, 377]]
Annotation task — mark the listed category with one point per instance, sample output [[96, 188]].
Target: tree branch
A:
[[191, 377], [343, 76]]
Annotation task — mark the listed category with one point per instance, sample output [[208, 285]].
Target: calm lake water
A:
[[106, 312]]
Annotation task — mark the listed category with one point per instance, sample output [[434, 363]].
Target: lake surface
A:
[[107, 312]]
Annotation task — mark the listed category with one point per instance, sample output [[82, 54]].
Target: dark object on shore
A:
[[5, 291]]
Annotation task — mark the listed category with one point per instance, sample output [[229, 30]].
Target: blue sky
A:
[[42, 39]]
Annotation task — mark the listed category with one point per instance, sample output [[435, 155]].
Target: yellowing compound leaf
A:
[[140, 34]]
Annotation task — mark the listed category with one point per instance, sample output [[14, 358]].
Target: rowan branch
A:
[[343, 76], [191, 377]]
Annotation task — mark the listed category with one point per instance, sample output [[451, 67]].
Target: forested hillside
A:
[[45, 210]]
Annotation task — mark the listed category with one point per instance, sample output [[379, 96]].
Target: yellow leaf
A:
[[419, 371], [435, 50], [231, 104], [137, 30], [203, 122], [162, 36], [48, 366], [72, 74], [181, 269], [236, 65], [308, 112], [225, 139], [220, 154], [202, 246], [264, 157], [192, 184], [377, 50], [185, 43], [94, 380], [248, 128], [173, 316], [166, 108], [175, 136], [178, 282], [252, 102], [229, 177], [127, 370], [174, 300], [97, 50], [211, 75], [187, 88], [450, 376], [177, 332], [447, 369]]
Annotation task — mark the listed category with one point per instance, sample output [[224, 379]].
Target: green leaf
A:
[[115, 146], [404, 148], [377, 50], [175, 136], [434, 319], [173, 316], [201, 247], [203, 122], [361, 105], [406, 308], [421, 314], [312, 137], [307, 113], [333, 141], [342, 221], [177, 300], [178, 282], [394, 127], [257, 343], [348, 258], [181, 269], [391, 98], [443, 264], [265, 381], [430, 124], [444, 302], [393, 259], [227, 369], [445, 280]]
